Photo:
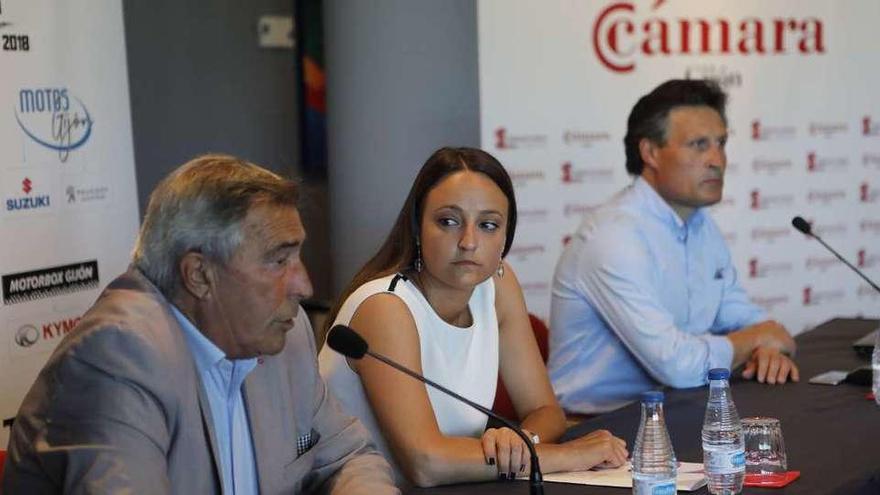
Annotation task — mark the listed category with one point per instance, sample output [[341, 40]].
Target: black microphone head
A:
[[347, 342], [802, 225]]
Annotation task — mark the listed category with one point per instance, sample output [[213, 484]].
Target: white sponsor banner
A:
[[559, 78], [68, 200]]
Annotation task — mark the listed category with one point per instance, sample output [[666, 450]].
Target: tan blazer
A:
[[119, 408]]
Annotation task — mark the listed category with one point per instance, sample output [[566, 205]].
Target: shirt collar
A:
[[206, 354], [657, 206]]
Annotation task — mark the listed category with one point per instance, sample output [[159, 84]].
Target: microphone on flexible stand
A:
[[347, 342], [805, 227], [862, 375]]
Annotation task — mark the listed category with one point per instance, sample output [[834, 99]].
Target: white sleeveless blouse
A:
[[464, 360]]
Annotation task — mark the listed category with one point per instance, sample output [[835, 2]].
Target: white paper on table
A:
[[690, 477]]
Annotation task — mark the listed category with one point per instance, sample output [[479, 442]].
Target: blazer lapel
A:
[[273, 428], [210, 433]]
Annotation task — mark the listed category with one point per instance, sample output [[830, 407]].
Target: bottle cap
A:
[[719, 374], [652, 396]]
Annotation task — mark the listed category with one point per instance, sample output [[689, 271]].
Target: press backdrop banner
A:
[[69, 201], [558, 79]]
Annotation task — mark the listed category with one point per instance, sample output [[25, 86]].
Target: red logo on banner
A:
[[811, 161], [619, 37], [28, 334], [500, 138], [566, 239], [807, 295], [812, 297], [593, 174], [505, 140], [759, 201], [761, 132], [861, 258], [761, 270], [816, 163], [59, 328], [869, 126], [26, 186], [566, 173]]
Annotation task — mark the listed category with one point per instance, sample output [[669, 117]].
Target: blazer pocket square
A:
[[305, 442]]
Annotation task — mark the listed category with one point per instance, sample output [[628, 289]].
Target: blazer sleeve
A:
[[93, 423], [346, 461]]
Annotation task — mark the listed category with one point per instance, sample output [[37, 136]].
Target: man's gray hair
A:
[[200, 207]]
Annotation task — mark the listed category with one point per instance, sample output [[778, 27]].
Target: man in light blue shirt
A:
[[646, 292]]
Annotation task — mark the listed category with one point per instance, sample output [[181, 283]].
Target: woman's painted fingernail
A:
[[491, 461]]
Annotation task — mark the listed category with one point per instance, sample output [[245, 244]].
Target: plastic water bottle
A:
[[723, 448], [875, 363], [653, 460]]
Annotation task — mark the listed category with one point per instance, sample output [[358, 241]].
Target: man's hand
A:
[[770, 365], [772, 334], [769, 334]]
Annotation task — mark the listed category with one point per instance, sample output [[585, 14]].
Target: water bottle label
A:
[[667, 488], [654, 487], [738, 459], [723, 460]]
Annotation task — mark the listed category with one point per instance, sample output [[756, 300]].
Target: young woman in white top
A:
[[439, 299]]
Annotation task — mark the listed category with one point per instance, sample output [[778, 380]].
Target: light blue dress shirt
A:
[[641, 298], [222, 379]]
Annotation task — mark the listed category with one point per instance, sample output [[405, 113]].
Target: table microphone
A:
[[350, 344], [805, 227]]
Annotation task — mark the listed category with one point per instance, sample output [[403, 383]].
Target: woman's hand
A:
[[598, 448], [506, 450]]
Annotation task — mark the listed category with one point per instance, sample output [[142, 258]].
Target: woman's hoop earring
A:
[[500, 269]]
